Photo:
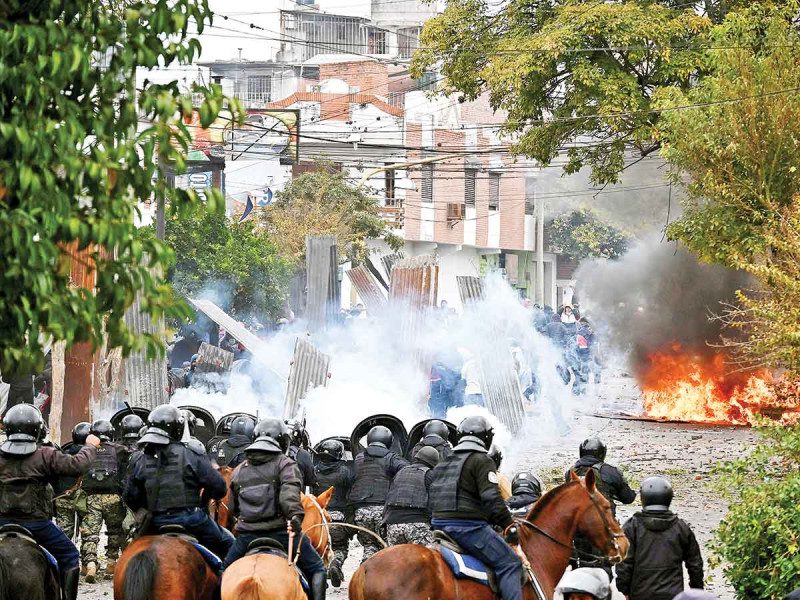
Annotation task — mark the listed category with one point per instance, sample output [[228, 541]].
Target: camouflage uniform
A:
[[409, 533], [370, 517], [100, 508], [68, 506], [340, 536]]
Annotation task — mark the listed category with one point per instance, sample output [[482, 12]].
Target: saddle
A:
[[176, 531], [19, 532], [265, 545]]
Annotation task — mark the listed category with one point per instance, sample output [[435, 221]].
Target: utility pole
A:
[[540, 252]]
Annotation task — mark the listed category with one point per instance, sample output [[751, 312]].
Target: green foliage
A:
[[235, 260], [322, 202], [740, 153], [75, 160], [581, 234], [758, 541]]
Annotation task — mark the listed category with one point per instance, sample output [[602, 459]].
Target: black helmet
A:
[[242, 425], [526, 483], [427, 455], [165, 425], [380, 436], [80, 432], [295, 429], [656, 493], [270, 436], [129, 427], [24, 426], [330, 450], [475, 433], [103, 429], [593, 447], [436, 427], [496, 454]]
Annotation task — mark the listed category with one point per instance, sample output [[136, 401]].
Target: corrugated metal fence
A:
[[309, 369], [368, 289]]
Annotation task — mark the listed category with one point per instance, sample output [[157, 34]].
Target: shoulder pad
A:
[[197, 447]]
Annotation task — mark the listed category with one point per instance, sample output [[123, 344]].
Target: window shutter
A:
[[427, 183], [470, 176], [494, 191]]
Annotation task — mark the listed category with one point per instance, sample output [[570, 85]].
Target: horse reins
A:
[[325, 521]]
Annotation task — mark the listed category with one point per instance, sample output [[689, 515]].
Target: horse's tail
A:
[[140, 575]]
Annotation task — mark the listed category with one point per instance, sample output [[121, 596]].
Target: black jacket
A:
[[306, 465], [521, 503], [338, 475], [660, 543], [612, 482]]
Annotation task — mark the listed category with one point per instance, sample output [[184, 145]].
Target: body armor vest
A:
[[23, 497], [602, 484], [408, 488], [178, 487], [442, 446], [370, 484], [230, 453], [103, 476], [257, 491], [336, 475], [447, 493]]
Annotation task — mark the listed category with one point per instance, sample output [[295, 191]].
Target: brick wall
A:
[[370, 77]]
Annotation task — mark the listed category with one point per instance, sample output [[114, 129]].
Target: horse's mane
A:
[[547, 499]]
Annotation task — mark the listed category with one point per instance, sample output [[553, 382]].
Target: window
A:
[[407, 41], [376, 42], [470, 176], [389, 182], [455, 211], [259, 88], [426, 186], [494, 192]]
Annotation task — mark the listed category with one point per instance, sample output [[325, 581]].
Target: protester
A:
[[470, 373]]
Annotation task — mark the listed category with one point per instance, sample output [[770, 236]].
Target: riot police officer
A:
[[165, 479], [266, 494], [299, 454], [585, 584], [70, 501], [102, 485], [333, 470], [660, 544], [190, 424], [435, 434], [373, 471], [407, 515], [129, 428], [230, 452], [466, 504], [26, 497], [526, 489]]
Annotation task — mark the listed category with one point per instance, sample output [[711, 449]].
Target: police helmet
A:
[[103, 429], [270, 436], [295, 429], [526, 482], [242, 425], [656, 493], [80, 432], [592, 581], [475, 431], [24, 426], [428, 455], [436, 427], [165, 425], [593, 447], [496, 454], [330, 450], [380, 436], [129, 427]]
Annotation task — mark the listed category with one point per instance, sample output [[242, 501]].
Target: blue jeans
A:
[[474, 400], [49, 536], [484, 543], [309, 561], [198, 524]]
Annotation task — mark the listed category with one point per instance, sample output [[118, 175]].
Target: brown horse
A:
[[219, 510], [269, 577], [163, 567], [412, 572]]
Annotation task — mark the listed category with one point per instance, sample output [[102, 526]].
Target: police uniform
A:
[[465, 504], [526, 489], [435, 441], [306, 465], [407, 514], [70, 500], [339, 475], [230, 452]]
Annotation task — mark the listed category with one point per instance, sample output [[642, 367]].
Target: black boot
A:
[[69, 584], [335, 573], [319, 584]]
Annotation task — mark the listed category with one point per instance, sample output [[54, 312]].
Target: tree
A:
[[238, 259], [80, 147], [581, 234], [322, 202]]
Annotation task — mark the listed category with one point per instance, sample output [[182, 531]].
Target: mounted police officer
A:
[[373, 471], [166, 478], [436, 434], [230, 452], [70, 501], [466, 504], [266, 494], [660, 544], [26, 497], [526, 489], [333, 470], [299, 454], [407, 515], [129, 428], [102, 485], [503, 482]]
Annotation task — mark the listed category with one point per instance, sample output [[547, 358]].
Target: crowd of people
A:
[[139, 478]]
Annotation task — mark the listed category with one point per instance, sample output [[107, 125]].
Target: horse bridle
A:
[[612, 537], [325, 523]]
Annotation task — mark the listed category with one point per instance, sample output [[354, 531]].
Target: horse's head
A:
[[597, 523], [317, 519]]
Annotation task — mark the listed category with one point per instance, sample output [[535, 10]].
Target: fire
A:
[[681, 385]]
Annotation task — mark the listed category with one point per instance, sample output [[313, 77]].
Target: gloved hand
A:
[[296, 523], [512, 535]]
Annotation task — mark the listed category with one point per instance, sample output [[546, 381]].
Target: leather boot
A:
[[69, 584], [319, 584], [335, 573], [91, 572]]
